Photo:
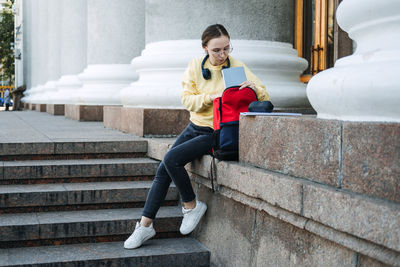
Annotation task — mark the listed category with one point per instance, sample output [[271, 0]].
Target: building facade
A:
[[314, 195]]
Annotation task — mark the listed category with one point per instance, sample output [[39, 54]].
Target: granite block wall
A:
[[305, 192], [359, 157], [239, 235]]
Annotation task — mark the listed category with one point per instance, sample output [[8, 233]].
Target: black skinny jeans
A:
[[194, 142]]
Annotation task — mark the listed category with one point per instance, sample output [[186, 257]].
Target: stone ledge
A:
[[302, 147], [158, 147], [233, 181], [112, 117], [371, 159], [276, 189], [53, 169], [117, 146], [55, 109], [7, 149], [146, 121], [361, 157], [40, 107], [374, 220], [156, 252], [20, 196], [84, 112], [59, 147], [362, 246], [352, 242], [42, 225], [153, 122], [377, 221]]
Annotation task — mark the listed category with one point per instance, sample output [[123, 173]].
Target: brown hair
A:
[[213, 31]]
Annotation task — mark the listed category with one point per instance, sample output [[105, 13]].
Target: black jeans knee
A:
[[194, 142]]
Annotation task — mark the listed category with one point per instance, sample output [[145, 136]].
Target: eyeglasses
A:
[[226, 50]]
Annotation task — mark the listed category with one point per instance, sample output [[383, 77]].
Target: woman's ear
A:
[[205, 49]]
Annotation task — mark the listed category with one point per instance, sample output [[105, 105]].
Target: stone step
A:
[[47, 197], [17, 171], [32, 229], [75, 149], [155, 252]]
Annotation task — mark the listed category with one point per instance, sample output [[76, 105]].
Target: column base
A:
[[40, 107], [153, 122], [55, 109], [84, 112], [112, 117]]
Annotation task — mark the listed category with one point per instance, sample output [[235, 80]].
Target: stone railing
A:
[[336, 180]]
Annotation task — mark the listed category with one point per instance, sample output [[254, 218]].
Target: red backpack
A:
[[226, 112]]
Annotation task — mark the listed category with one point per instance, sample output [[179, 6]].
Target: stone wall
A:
[[306, 192], [239, 235]]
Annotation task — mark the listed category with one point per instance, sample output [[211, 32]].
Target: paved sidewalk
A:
[[33, 126]]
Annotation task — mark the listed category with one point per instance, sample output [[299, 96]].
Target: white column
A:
[[29, 95], [34, 95], [48, 93], [73, 36], [175, 34], [162, 64], [45, 58], [49, 49], [53, 57], [53, 53], [29, 26], [68, 89], [73, 44], [40, 42], [160, 68], [115, 35], [102, 83], [36, 49], [366, 85], [277, 65]]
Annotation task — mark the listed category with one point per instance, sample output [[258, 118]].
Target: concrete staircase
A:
[[73, 204]]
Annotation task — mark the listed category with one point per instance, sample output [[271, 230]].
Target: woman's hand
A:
[[249, 84]]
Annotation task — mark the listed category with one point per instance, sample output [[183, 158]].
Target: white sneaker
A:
[[191, 217], [139, 236]]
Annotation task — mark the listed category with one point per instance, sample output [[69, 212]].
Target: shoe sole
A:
[[201, 215]]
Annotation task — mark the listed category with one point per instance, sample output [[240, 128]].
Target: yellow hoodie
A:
[[196, 89]]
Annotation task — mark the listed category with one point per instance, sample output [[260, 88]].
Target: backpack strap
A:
[[213, 173]]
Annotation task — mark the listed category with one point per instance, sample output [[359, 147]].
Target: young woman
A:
[[202, 83]]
